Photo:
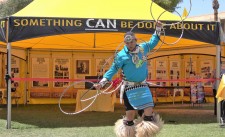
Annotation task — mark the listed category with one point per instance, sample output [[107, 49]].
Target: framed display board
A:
[[40, 69], [61, 69]]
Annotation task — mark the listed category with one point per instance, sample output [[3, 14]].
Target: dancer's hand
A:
[[97, 86], [158, 28], [101, 84], [159, 24]]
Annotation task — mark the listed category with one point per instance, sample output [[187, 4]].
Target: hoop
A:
[[165, 32], [97, 94], [175, 11], [73, 113]]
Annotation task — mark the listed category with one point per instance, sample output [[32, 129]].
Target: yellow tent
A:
[[98, 25], [94, 25]]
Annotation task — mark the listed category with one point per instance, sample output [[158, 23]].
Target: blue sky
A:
[[200, 7]]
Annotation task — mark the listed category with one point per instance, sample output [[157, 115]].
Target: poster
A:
[[174, 72], [15, 71], [15, 63], [222, 63], [40, 69], [82, 66], [151, 69], [102, 65], [161, 72], [206, 70], [61, 71], [190, 68], [82, 69]]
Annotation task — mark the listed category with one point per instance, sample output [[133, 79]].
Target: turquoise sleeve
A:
[[117, 64], [151, 43]]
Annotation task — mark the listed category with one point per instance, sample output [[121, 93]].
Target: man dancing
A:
[[132, 59]]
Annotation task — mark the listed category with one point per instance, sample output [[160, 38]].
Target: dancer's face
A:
[[131, 45]]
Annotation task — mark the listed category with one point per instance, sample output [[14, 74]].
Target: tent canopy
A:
[[99, 25]]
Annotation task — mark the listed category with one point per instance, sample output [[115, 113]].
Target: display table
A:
[[181, 90], [104, 102], [165, 91], [2, 91], [14, 96]]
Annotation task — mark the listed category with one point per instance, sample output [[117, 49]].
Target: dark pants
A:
[[222, 105], [127, 103], [223, 109], [129, 107], [215, 102]]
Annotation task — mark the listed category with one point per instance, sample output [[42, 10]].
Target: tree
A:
[[9, 7], [169, 5], [215, 6]]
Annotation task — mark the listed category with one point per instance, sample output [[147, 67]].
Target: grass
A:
[[49, 121]]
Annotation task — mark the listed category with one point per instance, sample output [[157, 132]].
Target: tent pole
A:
[[94, 40], [8, 80], [218, 69], [8, 77], [215, 6], [27, 75]]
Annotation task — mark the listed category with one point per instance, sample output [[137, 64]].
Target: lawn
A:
[[48, 121]]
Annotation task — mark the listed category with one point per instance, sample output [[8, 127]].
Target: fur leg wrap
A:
[[123, 129], [149, 128]]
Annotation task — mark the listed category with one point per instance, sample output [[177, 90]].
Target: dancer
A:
[[136, 95]]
